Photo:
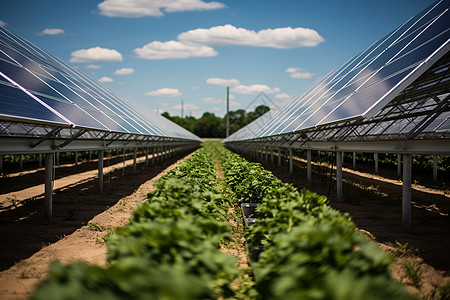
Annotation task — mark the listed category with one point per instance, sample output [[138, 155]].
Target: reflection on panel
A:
[[74, 98]]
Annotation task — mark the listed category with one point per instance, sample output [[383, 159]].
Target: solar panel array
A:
[[39, 88], [367, 82]]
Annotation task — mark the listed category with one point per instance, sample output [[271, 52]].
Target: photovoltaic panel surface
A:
[[367, 82], [37, 87]]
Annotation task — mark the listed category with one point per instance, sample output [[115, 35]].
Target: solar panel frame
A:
[[395, 66], [49, 81]]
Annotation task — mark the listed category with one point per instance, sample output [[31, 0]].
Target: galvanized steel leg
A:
[[134, 159], [308, 167], [291, 163], [339, 196], [406, 193], [376, 163], [48, 185], [100, 171], [435, 163]]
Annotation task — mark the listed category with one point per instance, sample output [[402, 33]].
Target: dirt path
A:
[[36, 243]]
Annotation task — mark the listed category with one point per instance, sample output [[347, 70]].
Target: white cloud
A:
[[173, 50], [2, 23], [283, 96], [105, 79], [51, 31], [254, 89], [187, 106], [211, 100], [152, 8], [124, 71], [299, 73], [95, 54], [223, 82], [92, 67], [229, 35], [165, 92]]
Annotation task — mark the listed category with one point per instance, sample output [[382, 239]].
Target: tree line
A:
[[211, 126]]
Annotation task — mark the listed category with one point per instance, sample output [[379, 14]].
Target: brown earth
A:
[[81, 217]]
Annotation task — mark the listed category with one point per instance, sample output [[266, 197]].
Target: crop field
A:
[[188, 239]]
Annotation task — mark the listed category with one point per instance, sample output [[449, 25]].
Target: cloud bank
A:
[[152, 8], [200, 42]]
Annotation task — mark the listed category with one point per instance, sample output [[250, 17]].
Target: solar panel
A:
[[370, 80], [37, 87]]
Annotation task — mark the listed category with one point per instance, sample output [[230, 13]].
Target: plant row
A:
[[311, 251], [169, 250]]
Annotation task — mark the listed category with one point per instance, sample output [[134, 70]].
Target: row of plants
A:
[[169, 250], [311, 251]]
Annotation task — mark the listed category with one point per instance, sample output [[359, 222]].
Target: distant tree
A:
[[211, 126]]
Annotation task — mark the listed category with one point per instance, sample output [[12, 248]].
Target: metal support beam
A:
[[266, 152], [339, 195], [399, 165], [291, 161], [40, 161], [58, 154], [406, 193], [146, 156], [100, 171], [308, 167], [21, 162], [48, 186]]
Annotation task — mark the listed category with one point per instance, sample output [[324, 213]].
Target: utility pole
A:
[[228, 111], [182, 108]]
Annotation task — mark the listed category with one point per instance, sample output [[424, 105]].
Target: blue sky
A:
[[159, 53]]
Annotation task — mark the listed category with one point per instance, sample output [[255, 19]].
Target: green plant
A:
[[95, 227], [413, 273], [404, 250]]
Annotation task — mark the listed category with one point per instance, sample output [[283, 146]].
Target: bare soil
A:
[[81, 218]]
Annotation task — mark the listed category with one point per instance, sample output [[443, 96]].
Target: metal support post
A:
[[146, 156], [406, 193], [1, 164], [134, 159], [57, 158], [76, 158], [354, 160], [435, 163], [376, 163], [21, 162], [399, 165], [291, 163], [271, 155], [279, 156], [339, 195], [100, 171], [48, 186], [308, 167], [40, 160]]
